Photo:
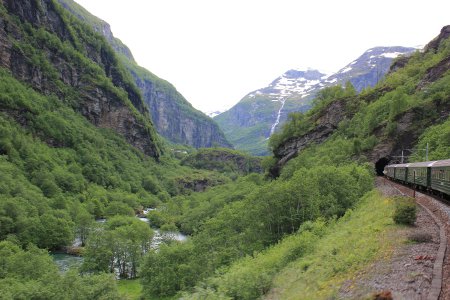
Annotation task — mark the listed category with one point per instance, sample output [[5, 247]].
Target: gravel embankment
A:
[[407, 271]]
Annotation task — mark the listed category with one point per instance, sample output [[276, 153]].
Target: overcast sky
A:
[[216, 51]]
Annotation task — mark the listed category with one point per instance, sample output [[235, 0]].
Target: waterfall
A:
[[277, 121]]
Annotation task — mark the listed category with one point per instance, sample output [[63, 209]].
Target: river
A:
[[66, 261]]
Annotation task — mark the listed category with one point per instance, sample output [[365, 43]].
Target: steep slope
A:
[[258, 115], [76, 142], [173, 116], [57, 55], [380, 122]]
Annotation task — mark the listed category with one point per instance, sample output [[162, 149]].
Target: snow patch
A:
[[332, 81], [346, 70], [391, 54], [212, 114]]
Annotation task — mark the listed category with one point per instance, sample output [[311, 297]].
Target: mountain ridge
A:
[[260, 113]]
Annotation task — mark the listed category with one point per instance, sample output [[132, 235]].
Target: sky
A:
[[216, 51]]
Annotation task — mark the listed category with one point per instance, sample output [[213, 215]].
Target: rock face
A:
[[224, 160], [250, 123], [42, 46], [173, 116], [327, 122], [443, 35]]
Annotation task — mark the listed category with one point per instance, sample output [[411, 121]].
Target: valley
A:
[[98, 150]]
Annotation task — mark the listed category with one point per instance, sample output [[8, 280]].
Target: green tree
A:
[[120, 243], [169, 270], [349, 89], [83, 224]]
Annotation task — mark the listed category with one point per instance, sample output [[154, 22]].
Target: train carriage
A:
[[401, 171], [433, 175], [390, 171], [419, 173], [440, 176]]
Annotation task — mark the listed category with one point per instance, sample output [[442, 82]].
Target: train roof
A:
[[423, 164], [442, 163]]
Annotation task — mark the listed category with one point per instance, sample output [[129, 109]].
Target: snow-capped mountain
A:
[[369, 68], [260, 113], [293, 82]]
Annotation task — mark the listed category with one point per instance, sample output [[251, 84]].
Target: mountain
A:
[[173, 116], [369, 68], [407, 110], [250, 123], [57, 56]]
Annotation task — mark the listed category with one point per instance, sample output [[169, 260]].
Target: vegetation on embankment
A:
[[242, 218], [312, 263], [351, 244]]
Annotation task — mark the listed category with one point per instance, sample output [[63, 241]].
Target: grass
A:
[[130, 289], [355, 241]]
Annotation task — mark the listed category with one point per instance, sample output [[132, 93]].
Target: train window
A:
[[434, 174]]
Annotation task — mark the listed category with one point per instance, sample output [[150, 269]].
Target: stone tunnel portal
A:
[[380, 164]]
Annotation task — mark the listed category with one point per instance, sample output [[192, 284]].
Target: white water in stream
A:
[[277, 121]]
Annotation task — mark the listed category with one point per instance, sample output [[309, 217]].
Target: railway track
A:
[[440, 211]]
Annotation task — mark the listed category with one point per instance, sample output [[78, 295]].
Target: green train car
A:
[[440, 176], [418, 173], [431, 175]]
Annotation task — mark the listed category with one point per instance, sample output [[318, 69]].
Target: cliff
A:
[[42, 45], [173, 116]]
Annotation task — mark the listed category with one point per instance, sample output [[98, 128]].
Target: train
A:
[[432, 176]]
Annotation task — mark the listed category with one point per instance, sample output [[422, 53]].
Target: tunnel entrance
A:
[[380, 164]]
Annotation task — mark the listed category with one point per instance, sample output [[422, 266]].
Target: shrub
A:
[[405, 210]]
